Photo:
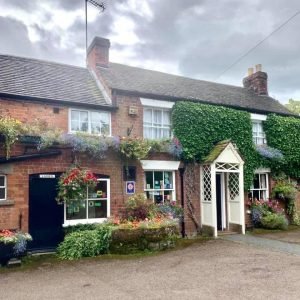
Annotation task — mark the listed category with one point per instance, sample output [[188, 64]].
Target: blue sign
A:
[[130, 187]]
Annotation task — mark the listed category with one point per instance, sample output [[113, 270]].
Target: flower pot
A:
[[6, 253]]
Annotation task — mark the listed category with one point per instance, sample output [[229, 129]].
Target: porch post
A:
[[242, 201], [213, 198]]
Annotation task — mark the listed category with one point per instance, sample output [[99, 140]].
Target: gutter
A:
[[58, 102], [3, 160]]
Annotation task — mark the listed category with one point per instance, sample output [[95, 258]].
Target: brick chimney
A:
[[98, 53], [257, 82]]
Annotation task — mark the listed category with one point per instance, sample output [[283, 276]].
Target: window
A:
[[157, 123], [94, 122], [95, 207], [2, 187], [160, 186], [258, 134], [260, 187]]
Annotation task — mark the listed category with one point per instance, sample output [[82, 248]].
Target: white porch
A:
[[222, 190]]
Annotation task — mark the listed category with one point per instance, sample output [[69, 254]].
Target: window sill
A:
[[7, 202]]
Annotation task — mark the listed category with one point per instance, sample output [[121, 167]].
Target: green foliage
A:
[[199, 127], [283, 133], [134, 148], [138, 208], [293, 106], [85, 243], [80, 227], [285, 190], [9, 128], [274, 221]]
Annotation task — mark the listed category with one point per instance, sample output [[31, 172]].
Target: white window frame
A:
[[89, 120], [158, 105], [161, 126], [258, 119], [260, 189], [172, 190], [4, 187], [87, 220]]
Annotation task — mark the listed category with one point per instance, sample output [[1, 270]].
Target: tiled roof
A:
[[47, 80], [165, 86]]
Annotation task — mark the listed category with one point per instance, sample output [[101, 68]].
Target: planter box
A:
[[125, 241], [6, 253], [29, 139]]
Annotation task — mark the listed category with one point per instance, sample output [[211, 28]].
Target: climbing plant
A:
[[199, 127], [283, 133]]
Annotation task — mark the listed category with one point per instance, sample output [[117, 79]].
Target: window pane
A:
[[157, 117], [97, 209], [75, 115], [95, 117], [100, 191], [84, 121], [2, 180], [158, 180], [2, 193], [147, 116], [75, 125], [149, 180], [147, 133], [263, 181], [76, 210], [96, 128], [166, 117], [256, 181], [168, 180], [166, 133]]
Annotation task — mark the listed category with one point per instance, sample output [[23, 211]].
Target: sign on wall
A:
[[130, 187]]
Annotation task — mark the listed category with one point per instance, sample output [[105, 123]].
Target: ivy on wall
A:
[[283, 133], [199, 127]]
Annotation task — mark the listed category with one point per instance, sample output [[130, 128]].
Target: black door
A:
[[45, 215], [219, 200]]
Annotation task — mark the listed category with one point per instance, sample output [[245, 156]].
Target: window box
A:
[[29, 139]]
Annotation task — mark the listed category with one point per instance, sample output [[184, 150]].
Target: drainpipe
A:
[[181, 173]]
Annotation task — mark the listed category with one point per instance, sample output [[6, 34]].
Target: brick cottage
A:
[[114, 99]]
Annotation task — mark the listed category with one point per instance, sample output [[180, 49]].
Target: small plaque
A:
[[130, 187], [47, 175]]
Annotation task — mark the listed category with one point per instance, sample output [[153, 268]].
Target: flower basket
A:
[[73, 184], [12, 244]]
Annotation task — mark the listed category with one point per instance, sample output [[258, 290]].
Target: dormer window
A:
[[93, 122]]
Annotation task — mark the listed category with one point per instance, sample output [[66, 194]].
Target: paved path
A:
[[271, 244], [216, 269]]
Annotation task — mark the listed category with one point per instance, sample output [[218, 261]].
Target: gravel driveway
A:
[[216, 269]]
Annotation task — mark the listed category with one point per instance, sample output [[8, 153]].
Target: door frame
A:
[[224, 204]]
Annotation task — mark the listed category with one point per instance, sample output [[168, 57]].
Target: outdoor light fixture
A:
[[98, 4]]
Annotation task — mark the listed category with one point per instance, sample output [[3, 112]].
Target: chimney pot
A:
[[258, 68], [250, 71]]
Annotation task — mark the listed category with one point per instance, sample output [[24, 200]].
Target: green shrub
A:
[[138, 208], [274, 221], [80, 227], [79, 244], [85, 243]]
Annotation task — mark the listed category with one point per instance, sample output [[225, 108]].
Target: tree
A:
[[293, 106]]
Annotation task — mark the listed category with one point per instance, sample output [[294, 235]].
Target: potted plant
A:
[[12, 244]]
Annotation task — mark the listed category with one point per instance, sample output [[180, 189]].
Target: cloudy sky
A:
[[193, 38]]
